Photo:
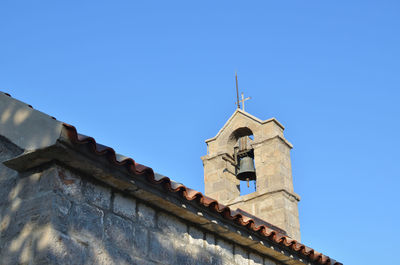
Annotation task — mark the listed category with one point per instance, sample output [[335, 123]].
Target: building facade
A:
[[69, 200]]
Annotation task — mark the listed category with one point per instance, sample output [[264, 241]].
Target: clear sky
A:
[[154, 79]]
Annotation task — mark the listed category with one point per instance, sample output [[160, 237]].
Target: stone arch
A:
[[236, 134]]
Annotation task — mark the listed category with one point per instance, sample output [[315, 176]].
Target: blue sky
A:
[[154, 79]]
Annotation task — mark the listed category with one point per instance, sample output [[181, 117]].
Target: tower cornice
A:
[[241, 112]]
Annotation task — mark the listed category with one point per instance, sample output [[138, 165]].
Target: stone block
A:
[[18, 248], [143, 261], [19, 213], [118, 232], [86, 222], [187, 256], [57, 248], [60, 207], [146, 215], [123, 236], [141, 236], [125, 206], [104, 254], [225, 251], [241, 256], [209, 259], [256, 259], [51, 207], [161, 249], [123, 240], [210, 244], [99, 256], [196, 236], [97, 195], [109, 256], [69, 184], [28, 186], [7, 182], [170, 225]]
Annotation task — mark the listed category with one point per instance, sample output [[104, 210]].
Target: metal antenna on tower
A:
[[237, 95], [237, 92]]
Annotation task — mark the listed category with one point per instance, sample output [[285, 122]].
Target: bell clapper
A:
[[248, 184]]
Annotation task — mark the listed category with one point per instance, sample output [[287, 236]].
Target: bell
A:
[[246, 169]]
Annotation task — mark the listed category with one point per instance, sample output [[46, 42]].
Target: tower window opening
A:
[[245, 170]]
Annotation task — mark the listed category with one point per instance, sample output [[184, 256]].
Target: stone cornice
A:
[[255, 145], [26, 127], [257, 194], [224, 155]]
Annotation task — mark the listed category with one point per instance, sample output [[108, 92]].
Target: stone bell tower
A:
[[274, 199]]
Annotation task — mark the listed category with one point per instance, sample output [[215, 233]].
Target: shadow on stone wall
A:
[[54, 216]]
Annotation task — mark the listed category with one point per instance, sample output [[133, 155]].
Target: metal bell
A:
[[246, 169]]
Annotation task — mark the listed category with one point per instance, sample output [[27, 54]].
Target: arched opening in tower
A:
[[243, 154]]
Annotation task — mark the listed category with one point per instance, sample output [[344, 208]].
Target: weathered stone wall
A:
[[55, 216], [220, 181]]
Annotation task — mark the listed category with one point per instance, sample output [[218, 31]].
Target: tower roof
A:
[[239, 112]]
